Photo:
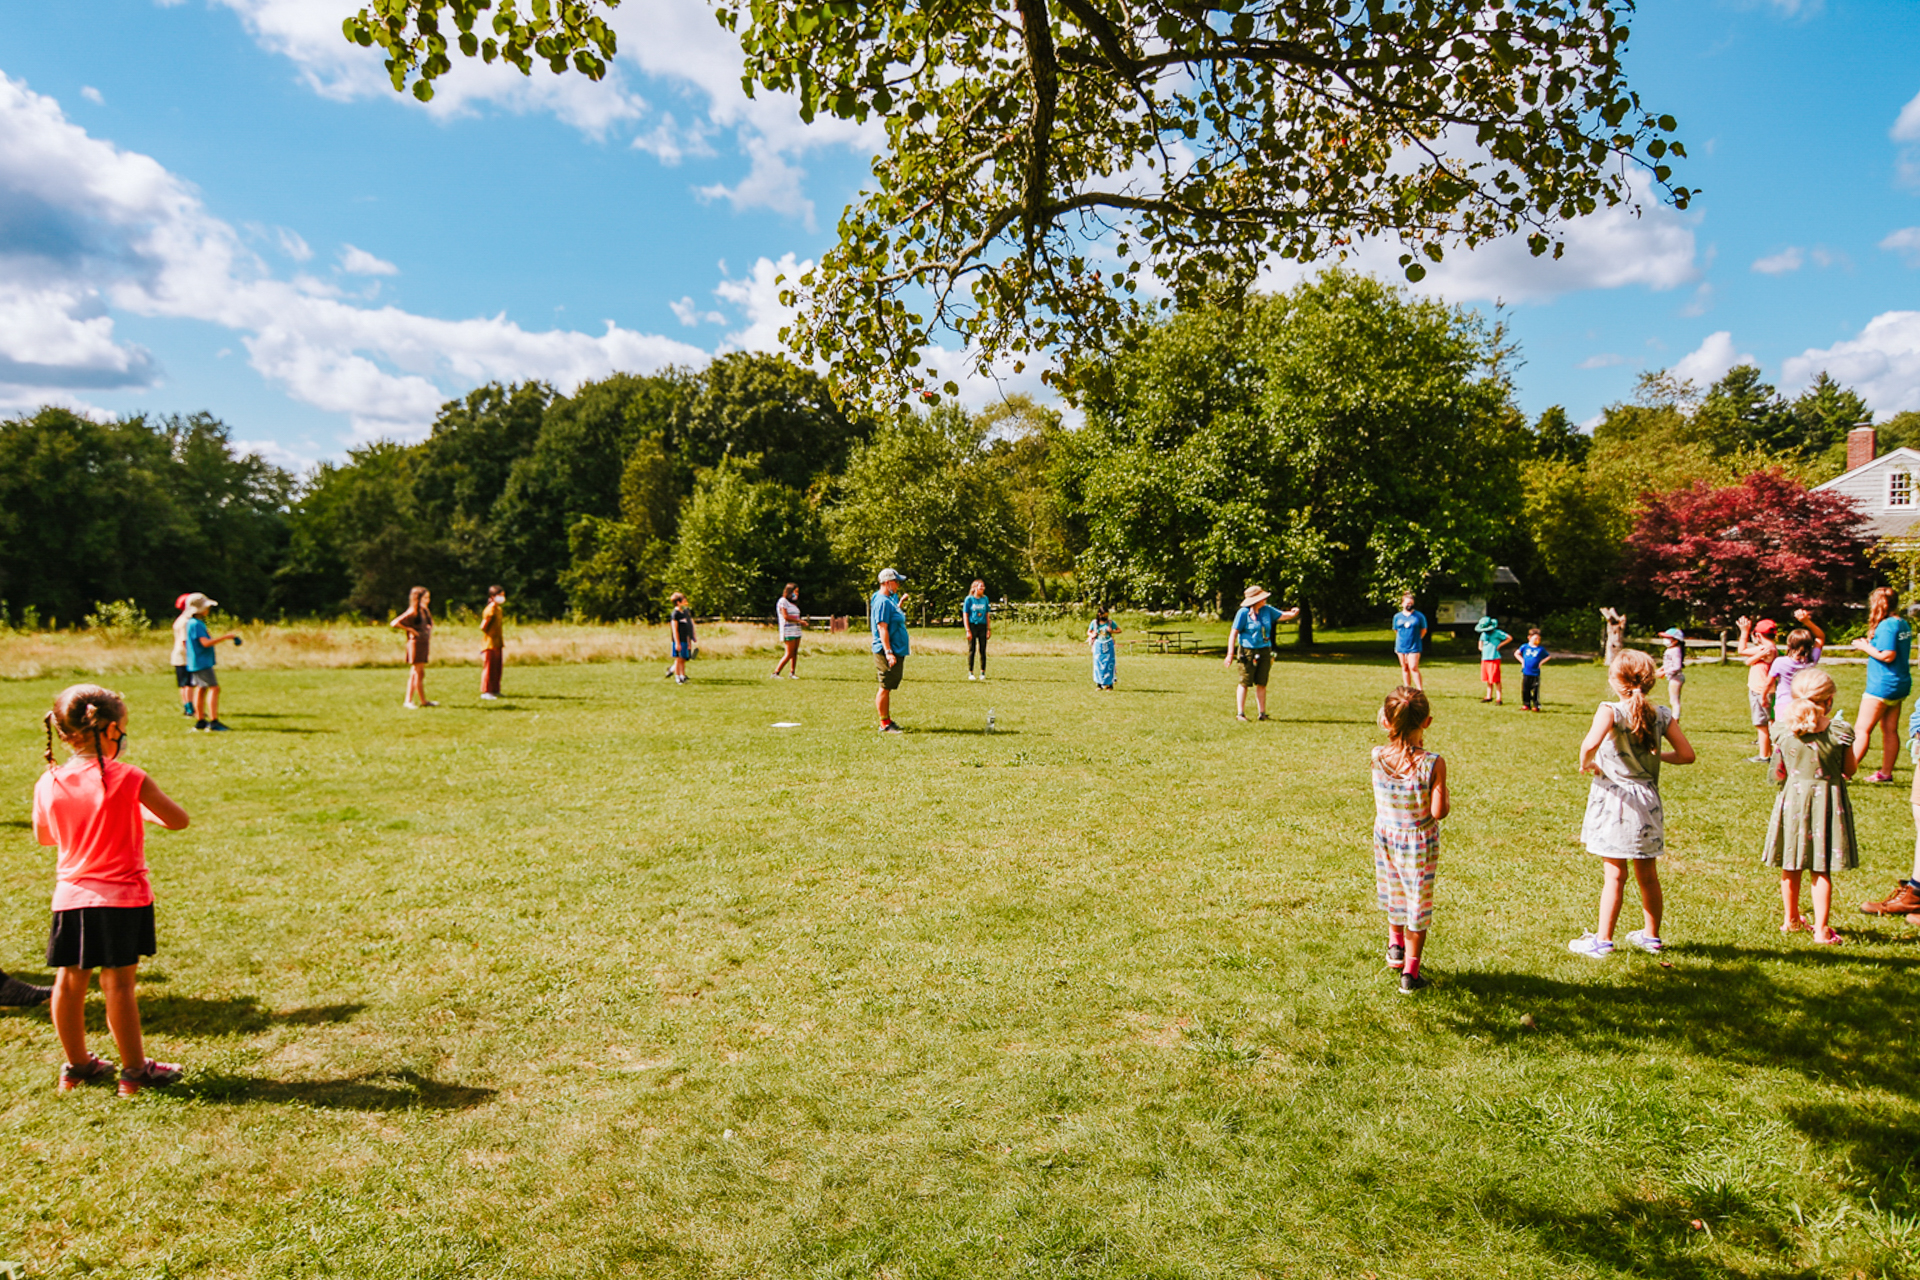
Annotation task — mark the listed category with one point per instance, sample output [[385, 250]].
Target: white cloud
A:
[[1882, 364], [677, 42], [293, 244], [757, 295], [358, 262], [1779, 264], [1906, 243], [97, 228], [688, 313], [1609, 250], [92, 95], [1907, 127], [1701, 302], [1709, 362], [1603, 361]]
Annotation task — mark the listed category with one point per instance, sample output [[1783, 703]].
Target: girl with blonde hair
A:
[[1812, 825], [1625, 826]]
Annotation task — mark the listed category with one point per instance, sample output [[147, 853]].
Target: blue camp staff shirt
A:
[[884, 611], [976, 609], [199, 653], [1255, 626], [1407, 629], [1530, 656]]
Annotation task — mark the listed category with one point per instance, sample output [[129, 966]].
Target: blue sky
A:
[[219, 205]]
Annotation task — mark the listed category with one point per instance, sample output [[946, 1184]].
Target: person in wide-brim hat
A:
[[1250, 643], [1486, 623]]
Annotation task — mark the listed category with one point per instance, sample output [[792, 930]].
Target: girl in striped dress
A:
[[1409, 799]]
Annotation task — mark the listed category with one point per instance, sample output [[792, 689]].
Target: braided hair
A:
[[84, 712]]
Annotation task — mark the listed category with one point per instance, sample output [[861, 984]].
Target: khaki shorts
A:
[[889, 675], [1757, 709], [1255, 664]]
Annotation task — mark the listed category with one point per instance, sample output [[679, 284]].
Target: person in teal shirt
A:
[[1250, 643], [1492, 640], [889, 628], [976, 615]]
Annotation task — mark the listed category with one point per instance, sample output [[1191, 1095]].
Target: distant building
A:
[[1886, 487]]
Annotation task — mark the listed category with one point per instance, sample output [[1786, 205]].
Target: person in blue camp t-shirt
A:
[[1531, 655], [1409, 641], [1250, 643], [976, 615], [889, 628]]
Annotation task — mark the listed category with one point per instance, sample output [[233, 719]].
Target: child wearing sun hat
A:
[[1673, 666], [1492, 640]]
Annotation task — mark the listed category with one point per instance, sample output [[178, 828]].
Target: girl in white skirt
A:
[[1624, 826]]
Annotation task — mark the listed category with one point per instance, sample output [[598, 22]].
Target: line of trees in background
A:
[[1340, 442]]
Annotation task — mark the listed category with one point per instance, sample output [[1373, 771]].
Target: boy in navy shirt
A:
[[1531, 655]]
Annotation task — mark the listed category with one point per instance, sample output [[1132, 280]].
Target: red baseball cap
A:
[[181, 603], [1764, 627]]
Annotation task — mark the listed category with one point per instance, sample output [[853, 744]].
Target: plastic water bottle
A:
[[989, 719]]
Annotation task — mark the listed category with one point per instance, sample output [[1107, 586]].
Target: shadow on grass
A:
[[283, 728], [239, 1015], [981, 732], [17, 824], [371, 1091], [1630, 1236], [1738, 1011], [1878, 1138]]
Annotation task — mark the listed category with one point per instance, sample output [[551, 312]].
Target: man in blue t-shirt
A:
[[1409, 641], [889, 628], [201, 677], [1531, 655], [1250, 643]]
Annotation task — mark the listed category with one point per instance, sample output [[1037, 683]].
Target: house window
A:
[[1900, 489]]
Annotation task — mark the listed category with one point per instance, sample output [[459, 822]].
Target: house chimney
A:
[[1860, 447]]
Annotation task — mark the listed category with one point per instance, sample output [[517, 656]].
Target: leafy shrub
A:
[[119, 620]]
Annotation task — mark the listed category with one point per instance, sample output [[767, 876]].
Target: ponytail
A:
[[1403, 713], [1632, 677], [1813, 693]]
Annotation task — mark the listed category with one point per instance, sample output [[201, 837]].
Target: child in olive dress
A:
[[1812, 827]]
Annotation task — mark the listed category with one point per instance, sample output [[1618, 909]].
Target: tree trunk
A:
[[1305, 637]]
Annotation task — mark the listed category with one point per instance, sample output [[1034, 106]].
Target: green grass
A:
[[614, 979]]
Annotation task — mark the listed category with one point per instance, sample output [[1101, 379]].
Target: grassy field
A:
[[613, 978]]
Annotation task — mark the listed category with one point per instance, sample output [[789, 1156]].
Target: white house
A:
[[1887, 487]]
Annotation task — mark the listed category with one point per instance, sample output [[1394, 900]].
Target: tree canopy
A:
[[1344, 442], [1059, 171]]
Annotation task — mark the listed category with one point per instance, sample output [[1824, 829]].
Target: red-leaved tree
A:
[[1766, 541]]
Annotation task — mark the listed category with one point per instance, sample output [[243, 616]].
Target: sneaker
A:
[[95, 1070], [1241, 719], [1904, 900], [22, 995], [891, 727], [187, 710], [1412, 982], [215, 726], [679, 679], [1265, 716], [1396, 955], [1880, 775], [151, 1074], [972, 676], [1646, 942], [411, 705], [1758, 759], [489, 697], [794, 676], [1592, 946], [429, 704], [199, 726]]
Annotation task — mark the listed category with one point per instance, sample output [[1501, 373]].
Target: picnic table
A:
[[1171, 640]]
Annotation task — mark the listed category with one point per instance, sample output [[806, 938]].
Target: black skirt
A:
[[100, 937]]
